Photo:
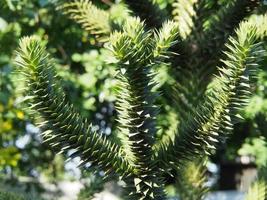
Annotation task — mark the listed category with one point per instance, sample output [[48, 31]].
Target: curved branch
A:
[[63, 127], [94, 20], [210, 122]]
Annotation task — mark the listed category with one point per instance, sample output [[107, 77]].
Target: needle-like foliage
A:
[[63, 127], [94, 20], [206, 105], [214, 117], [191, 180], [258, 189], [136, 51], [184, 13]]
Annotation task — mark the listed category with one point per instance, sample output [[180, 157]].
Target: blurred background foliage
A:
[[88, 80]]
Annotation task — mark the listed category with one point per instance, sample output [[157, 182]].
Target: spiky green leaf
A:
[[63, 128]]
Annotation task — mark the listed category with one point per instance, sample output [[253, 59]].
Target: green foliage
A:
[[203, 128], [22, 151], [221, 24], [204, 107], [136, 53], [191, 180], [134, 49], [93, 20], [254, 125], [10, 114], [257, 191], [96, 21], [183, 13], [10, 196], [9, 156], [13, 195], [61, 121], [255, 147], [65, 129]]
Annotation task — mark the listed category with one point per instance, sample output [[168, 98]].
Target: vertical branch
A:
[[134, 50]]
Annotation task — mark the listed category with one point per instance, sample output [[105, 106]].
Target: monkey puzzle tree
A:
[[141, 159]]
